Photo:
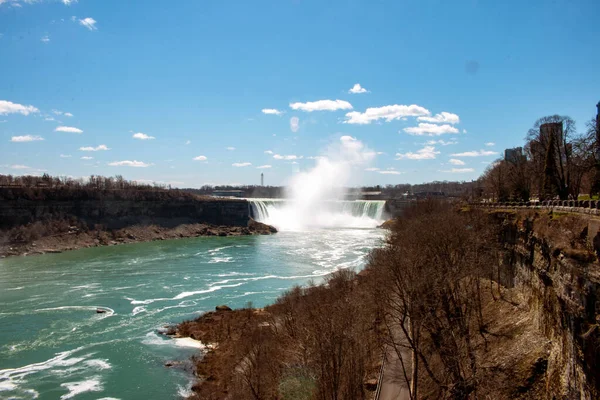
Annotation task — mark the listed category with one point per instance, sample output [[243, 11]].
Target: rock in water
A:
[[222, 308], [100, 311]]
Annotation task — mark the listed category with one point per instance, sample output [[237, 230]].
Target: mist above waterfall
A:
[[314, 198]]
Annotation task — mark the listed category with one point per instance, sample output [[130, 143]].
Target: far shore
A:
[[76, 239]]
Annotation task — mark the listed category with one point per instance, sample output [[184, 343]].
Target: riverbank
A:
[[75, 238]]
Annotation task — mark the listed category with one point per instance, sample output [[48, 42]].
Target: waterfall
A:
[[289, 215]]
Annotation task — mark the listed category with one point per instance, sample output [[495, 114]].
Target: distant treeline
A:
[[47, 187]]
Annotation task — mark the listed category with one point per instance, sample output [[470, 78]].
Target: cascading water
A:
[[330, 214], [314, 198]]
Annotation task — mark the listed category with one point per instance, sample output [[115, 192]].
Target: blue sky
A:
[[248, 84]]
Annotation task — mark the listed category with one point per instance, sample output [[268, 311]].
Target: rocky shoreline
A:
[[75, 239]]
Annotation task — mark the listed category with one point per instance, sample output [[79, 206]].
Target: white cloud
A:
[[87, 158], [271, 111], [459, 170], [264, 166], [89, 23], [128, 163], [464, 131], [230, 148], [69, 2], [101, 147], [26, 138], [268, 152], [390, 172], [69, 129], [188, 142], [426, 153], [430, 129], [242, 164], [372, 169], [356, 89], [287, 157], [322, 105], [480, 153], [7, 107], [142, 136], [68, 114], [49, 119], [455, 161], [200, 158], [441, 118], [17, 166], [294, 124], [388, 113], [441, 142], [45, 39], [65, 156], [490, 144]]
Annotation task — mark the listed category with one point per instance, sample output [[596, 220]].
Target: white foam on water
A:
[[93, 384], [109, 311], [183, 295], [234, 274], [138, 310], [16, 288], [184, 392], [153, 339], [98, 364], [216, 260]]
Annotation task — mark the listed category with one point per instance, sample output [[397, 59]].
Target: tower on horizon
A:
[[262, 179]]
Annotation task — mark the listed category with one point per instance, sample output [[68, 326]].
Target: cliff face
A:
[[115, 211], [552, 260]]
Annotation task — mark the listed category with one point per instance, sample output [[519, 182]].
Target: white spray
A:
[[313, 196]]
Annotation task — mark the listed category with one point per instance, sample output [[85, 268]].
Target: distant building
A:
[[514, 155], [228, 193]]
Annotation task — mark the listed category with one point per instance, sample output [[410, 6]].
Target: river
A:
[[53, 344]]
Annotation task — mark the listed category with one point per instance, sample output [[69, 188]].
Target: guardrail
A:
[[591, 207], [381, 371]]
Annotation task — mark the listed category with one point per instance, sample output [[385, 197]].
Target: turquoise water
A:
[[53, 344]]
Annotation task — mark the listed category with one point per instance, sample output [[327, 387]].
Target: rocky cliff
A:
[[116, 210], [551, 257]]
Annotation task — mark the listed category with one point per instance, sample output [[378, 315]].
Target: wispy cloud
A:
[[45, 39], [8, 107], [188, 142], [458, 170], [101, 147], [26, 138], [442, 118], [230, 148], [475, 153], [426, 153], [441, 142], [69, 2], [286, 157], [200, 158], [294, 124], [68, 129], [430, 129], [455, 161], [490, 144], [241, 164], [65, 156], [142, 136], [390, 172], [268, 152], [271, 111], [387, 113], [321, 105], [19, 166], [264, 166], [87, 158], [58, 112], [89, 23], [372, 169], [127, 163], [356, 89]]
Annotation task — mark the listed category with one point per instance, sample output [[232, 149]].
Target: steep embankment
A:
[[550, 257], [50, 220]]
